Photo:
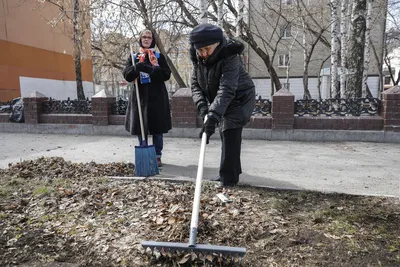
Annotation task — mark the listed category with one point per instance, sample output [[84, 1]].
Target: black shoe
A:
[[222, 185], [216, 179]]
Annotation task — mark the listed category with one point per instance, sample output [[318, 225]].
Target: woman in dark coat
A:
[[152, 71], [220, 80]]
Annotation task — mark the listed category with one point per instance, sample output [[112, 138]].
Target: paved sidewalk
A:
[[345, 167]]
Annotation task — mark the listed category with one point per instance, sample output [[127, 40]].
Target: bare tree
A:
[[357, 43], [309, 20], [80, 21], [319, 76], [248, 34], [392, 40], [77, 51], [128, 18], [145, 13], [220, 12], [239, 19], [367, 54], [344, 22], [289, 60], [334, 4], [203, 10]]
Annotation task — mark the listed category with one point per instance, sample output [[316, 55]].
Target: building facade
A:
[[280, 23], [36, 56]]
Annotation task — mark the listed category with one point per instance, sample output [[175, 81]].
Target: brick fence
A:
[[184, 114], [283, 118]]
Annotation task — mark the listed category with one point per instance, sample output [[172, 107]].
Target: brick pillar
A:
[[33, 107], [184, 112], [391, 109], [283, 110], [101, 107]]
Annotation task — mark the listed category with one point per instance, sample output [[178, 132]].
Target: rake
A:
[[192, 246]]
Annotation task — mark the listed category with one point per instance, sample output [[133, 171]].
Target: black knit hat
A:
[[153, 41], [205, 34]]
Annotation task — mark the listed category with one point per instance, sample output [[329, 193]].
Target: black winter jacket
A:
[[153, 97], [222, 81]]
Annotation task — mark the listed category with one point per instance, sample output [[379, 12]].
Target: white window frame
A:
[[283, 58], [286, 32], [287, 2]]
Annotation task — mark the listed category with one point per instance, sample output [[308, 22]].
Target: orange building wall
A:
[[30, 47]]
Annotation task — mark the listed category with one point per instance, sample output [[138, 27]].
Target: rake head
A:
[[201, 248]]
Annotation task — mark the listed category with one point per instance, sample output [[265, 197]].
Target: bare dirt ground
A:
[[55, 213]]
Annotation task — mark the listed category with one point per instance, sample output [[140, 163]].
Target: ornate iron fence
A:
[[263, 107], [5, 107], [119, 107], [67, 106], [303, 107], [338, 107]]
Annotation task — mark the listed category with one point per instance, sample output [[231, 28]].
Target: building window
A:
[[388, 80], [286, 2], [283, 61], [286, 31]]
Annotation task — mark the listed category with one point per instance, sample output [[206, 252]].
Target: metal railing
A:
[[67, 106], [338, 107], [263, 107], [119, 107]]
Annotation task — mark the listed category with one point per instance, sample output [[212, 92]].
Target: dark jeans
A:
[[230, 167], [158, 143]]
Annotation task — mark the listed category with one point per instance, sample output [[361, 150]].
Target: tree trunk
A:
[[379, 59], [306, 93], [220, 12], [343, 41], [171, 65], [203, 11], [367, 53], [248, 38], [239, 18], [356, 46], [380, 71], [319, 77], [271, 82], [335, 47], [349, 16], [290, 59], [77, 53]]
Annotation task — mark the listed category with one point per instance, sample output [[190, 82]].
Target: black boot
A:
[[216, 179], [222, 185]]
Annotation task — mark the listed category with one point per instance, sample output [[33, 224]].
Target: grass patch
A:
[[41, 191]]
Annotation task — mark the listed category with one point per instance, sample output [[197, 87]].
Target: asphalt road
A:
[[345, 167]]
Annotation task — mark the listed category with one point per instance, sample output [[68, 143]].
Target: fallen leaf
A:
[[331, 236]]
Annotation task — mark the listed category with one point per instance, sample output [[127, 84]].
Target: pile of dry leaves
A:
[[56, 211]]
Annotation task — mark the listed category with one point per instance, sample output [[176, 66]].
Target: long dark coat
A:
[[222, 81], [153, 97]]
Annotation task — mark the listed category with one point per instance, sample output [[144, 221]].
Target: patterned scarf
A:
[[150, 52]]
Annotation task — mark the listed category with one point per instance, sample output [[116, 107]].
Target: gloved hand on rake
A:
[[143, 67], [209, 128], [203, 110]]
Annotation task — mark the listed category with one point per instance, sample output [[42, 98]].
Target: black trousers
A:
[[230, 167]]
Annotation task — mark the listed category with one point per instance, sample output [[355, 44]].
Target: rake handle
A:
[[197, 192], [138, 97]]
